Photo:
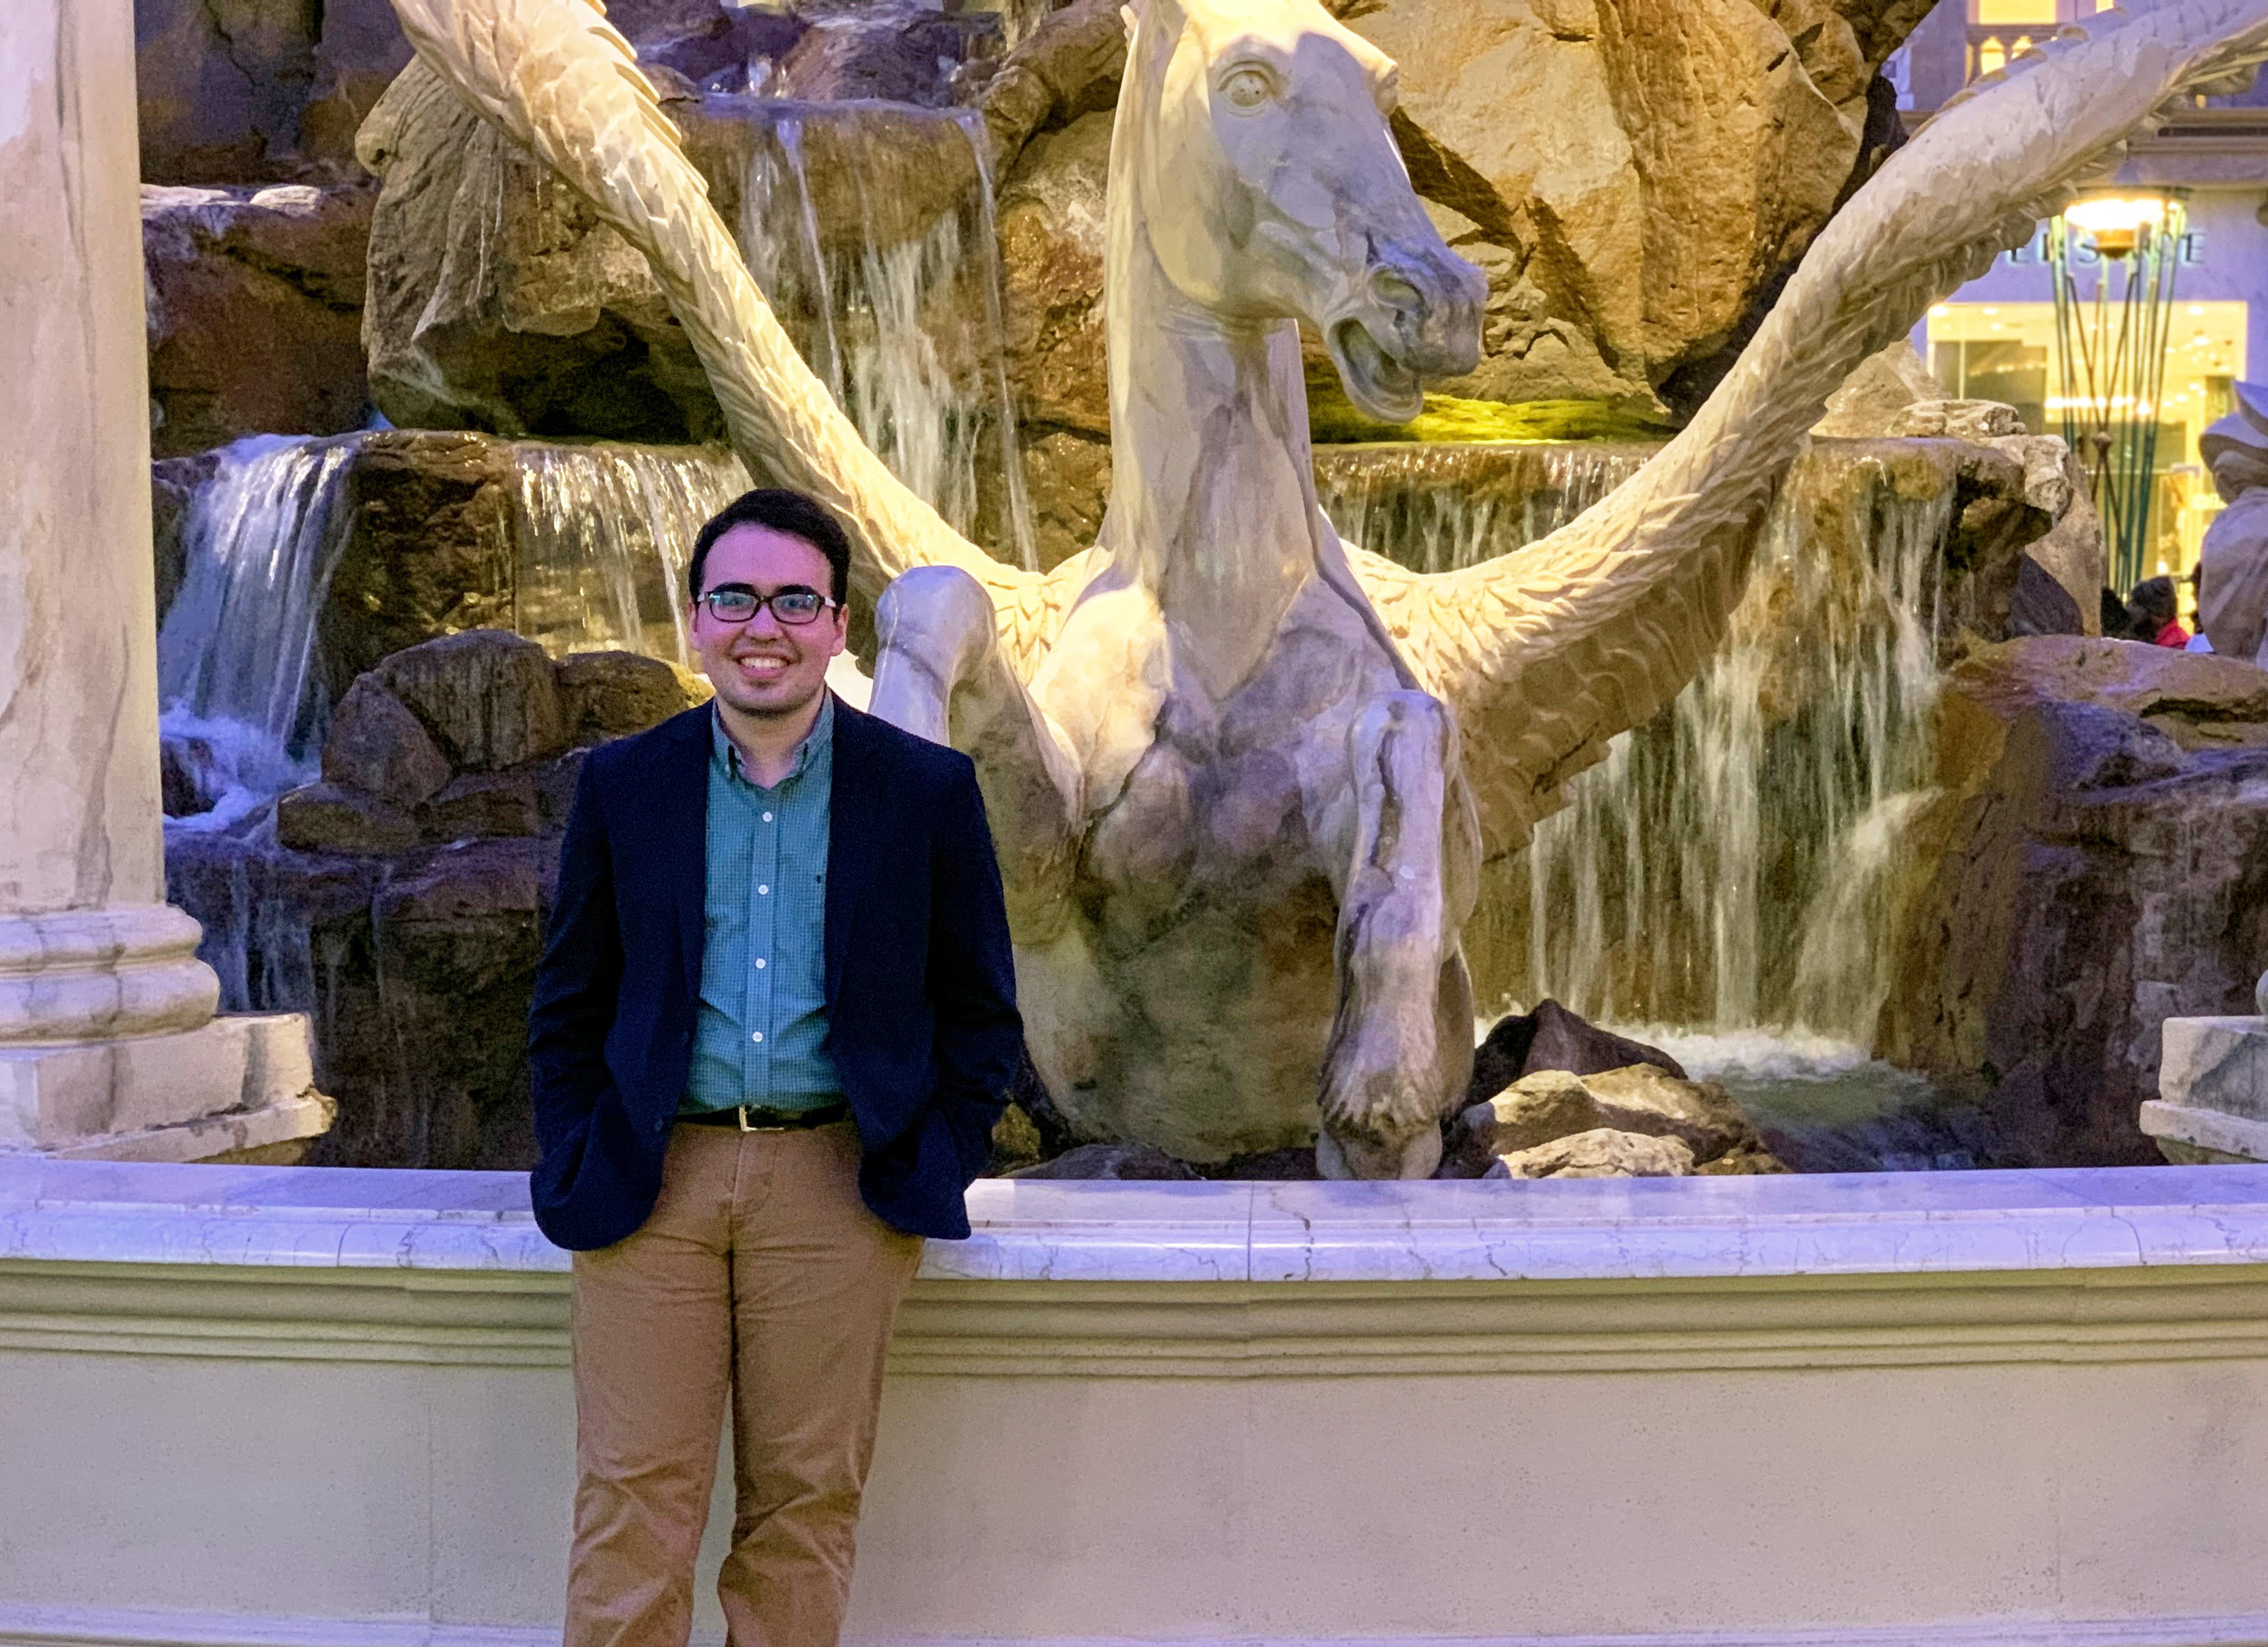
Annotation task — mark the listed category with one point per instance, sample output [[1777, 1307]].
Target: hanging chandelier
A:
[[2113, 257]]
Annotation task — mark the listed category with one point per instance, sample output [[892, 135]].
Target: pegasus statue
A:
[[1242, 773]]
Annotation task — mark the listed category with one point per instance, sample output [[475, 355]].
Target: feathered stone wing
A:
[[1546, 653], [557, 77]]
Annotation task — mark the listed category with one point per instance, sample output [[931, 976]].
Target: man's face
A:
[[764, 667]]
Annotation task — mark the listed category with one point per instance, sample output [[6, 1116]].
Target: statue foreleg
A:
[[940, 674], [1401, 1049]]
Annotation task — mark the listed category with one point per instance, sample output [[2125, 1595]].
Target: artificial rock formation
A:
[[254, 312], [1623, 261], [1235, 772], [404, 893], [499, 301], [2094, 861]]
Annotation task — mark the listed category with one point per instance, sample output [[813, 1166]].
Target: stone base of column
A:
[[232, 1084]]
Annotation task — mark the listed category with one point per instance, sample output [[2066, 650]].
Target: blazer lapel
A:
[[679, 836], [853, 800]]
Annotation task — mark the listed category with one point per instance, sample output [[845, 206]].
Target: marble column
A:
[[108, 1043]]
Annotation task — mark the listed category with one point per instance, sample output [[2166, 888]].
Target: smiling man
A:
[[773, 1025]]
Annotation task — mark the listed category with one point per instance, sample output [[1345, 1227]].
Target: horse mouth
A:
[[1380, 386]]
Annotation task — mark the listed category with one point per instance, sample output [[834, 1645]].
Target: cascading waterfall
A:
[[1443, 508], [603, 532], [236, 652], [1726, 869], [1726, 866], [873, 327]]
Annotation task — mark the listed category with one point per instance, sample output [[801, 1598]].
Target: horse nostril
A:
[[1396, 293]]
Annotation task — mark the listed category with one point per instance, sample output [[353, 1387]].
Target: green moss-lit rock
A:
[[1333, 420]]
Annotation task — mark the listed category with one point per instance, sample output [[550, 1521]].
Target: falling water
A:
[[1441, 508], [236, 653], [603, 532], [877, 323], [1728, 866], [1721, 884]]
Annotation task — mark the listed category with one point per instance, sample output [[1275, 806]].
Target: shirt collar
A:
[[820, 740]]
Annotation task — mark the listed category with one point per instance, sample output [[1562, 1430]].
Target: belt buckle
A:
[[741, 1111]]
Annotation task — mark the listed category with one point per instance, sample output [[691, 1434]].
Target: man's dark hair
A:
[[781, 510]]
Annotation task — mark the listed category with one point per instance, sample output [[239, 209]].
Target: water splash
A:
[[236, 655]]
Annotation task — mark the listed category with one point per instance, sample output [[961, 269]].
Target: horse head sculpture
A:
[[1253, 160]]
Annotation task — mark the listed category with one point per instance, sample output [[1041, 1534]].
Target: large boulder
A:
[[2094, 861], [458, 933], [2052, 589], [359, 51], [1602, 1153], [1051, 245], [219, 84], [612, 695], [891, 51], [1641, 1100], [254, 312], [266, 91], [1551, 1038], [377, 745], [1635, 177], [428, 548], [489, 699]]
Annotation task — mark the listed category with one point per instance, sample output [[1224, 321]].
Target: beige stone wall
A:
[[232, 1454]]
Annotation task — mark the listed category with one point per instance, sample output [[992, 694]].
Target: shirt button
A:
[[763, 891], [760, 963], [759, 1035], [768, 817]]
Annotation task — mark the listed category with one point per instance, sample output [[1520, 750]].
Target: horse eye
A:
[[1248, 88]]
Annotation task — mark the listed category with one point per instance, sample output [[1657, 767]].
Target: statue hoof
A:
[[1354, 1158]]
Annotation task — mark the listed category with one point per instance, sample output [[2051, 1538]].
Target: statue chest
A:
[[1241, 805]]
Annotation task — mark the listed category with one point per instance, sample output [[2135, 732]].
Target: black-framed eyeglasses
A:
[[737, 603]]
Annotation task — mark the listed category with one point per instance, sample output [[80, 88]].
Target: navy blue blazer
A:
[[921, 992]]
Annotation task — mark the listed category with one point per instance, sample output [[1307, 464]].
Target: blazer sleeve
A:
[[576, 981], [972, 975]]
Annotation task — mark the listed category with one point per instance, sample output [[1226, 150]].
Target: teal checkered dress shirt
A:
[[761, 1033]]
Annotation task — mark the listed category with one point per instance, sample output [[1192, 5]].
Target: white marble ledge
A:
[[1889, 1224]]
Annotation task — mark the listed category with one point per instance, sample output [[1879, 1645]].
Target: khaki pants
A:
[[761, 1275]]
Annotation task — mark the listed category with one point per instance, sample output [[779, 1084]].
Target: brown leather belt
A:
[[755, 1118]]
